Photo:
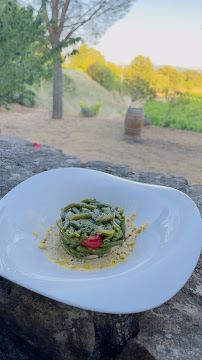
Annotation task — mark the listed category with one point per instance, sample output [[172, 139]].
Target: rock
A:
[[195, 192], [13, 347], [19, 160], [174, 329], [134, 351], [63, 332], [87, 112], [25, 101], [114, 169], [176, 182], [33, 326]]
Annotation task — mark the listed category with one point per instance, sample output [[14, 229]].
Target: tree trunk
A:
[[57, 92]]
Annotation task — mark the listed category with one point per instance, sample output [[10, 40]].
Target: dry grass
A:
[[164, 150], [78, 86]]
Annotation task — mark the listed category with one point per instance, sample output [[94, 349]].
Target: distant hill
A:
[[178, 68], [77, 86]]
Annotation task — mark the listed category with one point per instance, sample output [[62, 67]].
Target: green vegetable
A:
[[87, 218]]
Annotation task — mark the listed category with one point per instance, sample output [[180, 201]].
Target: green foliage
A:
[[169, 78], [25, 55], [22, 56], [104, 76], [193, 79], [140, 67], [84, 58], [184, 116], [165, 80], [178, 99], [82, 104], [139, 88], [27, 98], [69, 85], [95, 108]]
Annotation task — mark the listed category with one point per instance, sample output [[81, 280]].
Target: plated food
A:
[[91, 227], [90, 234]]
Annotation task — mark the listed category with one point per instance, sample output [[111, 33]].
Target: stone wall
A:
[[35, 327]]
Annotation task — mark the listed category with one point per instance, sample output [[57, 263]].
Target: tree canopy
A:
[[24, 55], [87, 19], [85, 57], [104, 76], [142, 67], [140, 75]]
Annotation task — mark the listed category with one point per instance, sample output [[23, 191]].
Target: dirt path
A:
[[164, 150]]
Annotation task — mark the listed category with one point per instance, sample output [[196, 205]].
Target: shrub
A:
[[96, 108], [104, 76], [26, 98], [88, 110]]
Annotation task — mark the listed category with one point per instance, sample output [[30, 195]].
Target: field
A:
[[76, 83], [77, 86], [165, 150], [187, 116], [159, 149]]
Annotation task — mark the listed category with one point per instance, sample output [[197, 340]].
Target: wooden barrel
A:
[[134, 121]]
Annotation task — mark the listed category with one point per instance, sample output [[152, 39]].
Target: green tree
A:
[[87, 19], [24, 55], [142, 67], [104, 76], [139, 89], [172, 79], [193, 79], [85, 57], [117, 70]]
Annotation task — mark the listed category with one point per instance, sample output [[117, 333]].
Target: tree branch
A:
[[55, 9], [46, 15], [63, 13], [84, 21], [82, 16], [94, 17]]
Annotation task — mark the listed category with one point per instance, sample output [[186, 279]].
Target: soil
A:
[[165, 150]]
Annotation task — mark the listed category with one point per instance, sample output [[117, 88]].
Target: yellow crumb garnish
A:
[[54, 250]]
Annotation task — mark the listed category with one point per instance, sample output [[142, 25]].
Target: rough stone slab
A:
[[195, 193], [110, 168], [19, 160], [134, 351], [63, 332], [13, 347], [176, 182], [52, 330], [175, 329]]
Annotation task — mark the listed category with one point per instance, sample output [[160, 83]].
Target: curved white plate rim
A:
[[132, 290]]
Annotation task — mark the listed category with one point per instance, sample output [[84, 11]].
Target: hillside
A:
[[77, 86]]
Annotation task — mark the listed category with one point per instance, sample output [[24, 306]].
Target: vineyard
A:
[[188, 116]]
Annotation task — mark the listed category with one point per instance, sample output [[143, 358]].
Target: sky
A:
[[168, 31]]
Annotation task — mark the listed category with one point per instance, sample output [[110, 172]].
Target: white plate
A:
[[165, 255]]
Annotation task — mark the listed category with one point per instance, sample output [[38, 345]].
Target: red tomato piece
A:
[[93, 241]]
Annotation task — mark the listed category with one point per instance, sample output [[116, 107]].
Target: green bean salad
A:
[[91, 227]]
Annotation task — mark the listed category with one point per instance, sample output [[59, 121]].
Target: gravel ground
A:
[[173, 151]]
